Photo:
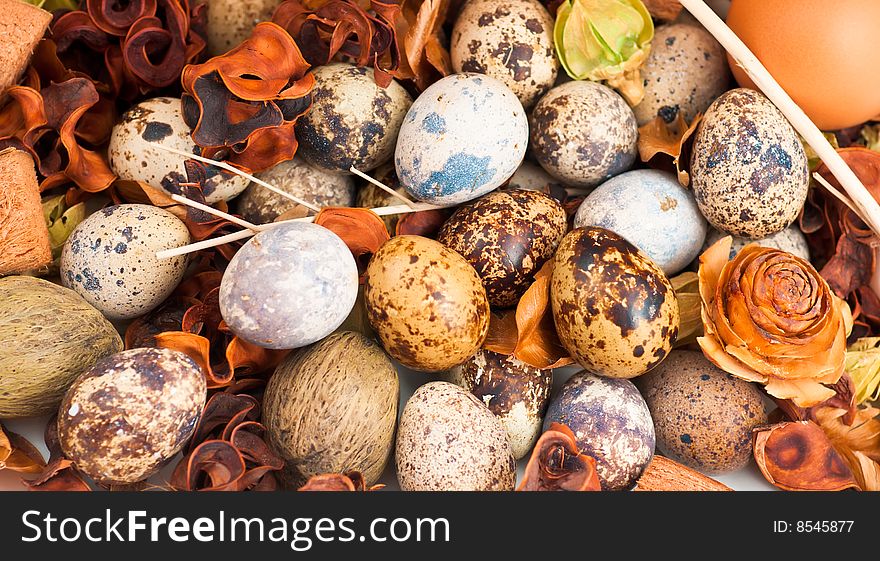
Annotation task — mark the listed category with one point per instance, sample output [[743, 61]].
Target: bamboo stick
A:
[[218, 213]]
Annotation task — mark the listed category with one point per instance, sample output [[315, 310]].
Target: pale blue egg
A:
[[653, 212]]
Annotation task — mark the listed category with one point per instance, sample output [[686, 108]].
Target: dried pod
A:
[[557, 464]]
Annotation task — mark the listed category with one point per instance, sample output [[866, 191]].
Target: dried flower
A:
[[557, 464], [770, 318], [605, 40], [863, 366]]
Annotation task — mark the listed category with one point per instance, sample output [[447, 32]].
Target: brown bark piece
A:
[[24, 238], [664, 474], [22, 26]]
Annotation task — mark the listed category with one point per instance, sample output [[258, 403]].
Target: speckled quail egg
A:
[[352, 121], [231, 21], [531, 177], [463, 137], [159, 121], [130, 413], [611, 423], [651, 211], [703, 417], [514, 391], [370, 196], [790, 239], [507, 236], [615, 311], [511, 40], [289, 286], [685, 71], [260, 205], [749, 171], [426, 303], [583, 133], [110, 259], [447, 440]]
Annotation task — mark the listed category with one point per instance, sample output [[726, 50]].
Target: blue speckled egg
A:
[[289, 286], [651, 211], [463, 137]]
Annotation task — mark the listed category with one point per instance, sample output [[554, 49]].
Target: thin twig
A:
[[218, 213], [235, 170], [382, 186]]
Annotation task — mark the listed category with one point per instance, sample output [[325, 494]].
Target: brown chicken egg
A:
[[614, 309], [426, 303], [507, 236]]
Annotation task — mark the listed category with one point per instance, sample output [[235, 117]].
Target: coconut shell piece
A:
[[23, 25], [24, 238], [557, 464]]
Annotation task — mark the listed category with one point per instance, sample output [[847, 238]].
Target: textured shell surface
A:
[[50, 335], [703, 417], [352, 121], [110, 259], [651, 211], [130, 413], [463, 136], [611, 423], [332, 408], [506, 236], [685, 71], [230, 22], [514, 391], [289, 286], [511, 40], [614, 309], [159, 121], [313, 185], [583, 133], [532, 177], [448, 440], [426, 303], [790, 239], [749, 170]]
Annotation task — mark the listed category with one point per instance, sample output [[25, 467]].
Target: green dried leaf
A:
[[687, 292], [871, 136], [605, 40], [863, 366], [61, 221]]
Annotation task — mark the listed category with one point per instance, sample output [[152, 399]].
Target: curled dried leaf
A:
[[556, 464], [348, 481], [667, 146], [360, 228], [857, 440], [18, 454], [425, 56], [60, 474]]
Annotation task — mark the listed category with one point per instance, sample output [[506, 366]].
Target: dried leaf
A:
[[667, 145], [59, 475], [687, 293], [863, 366], [799, 457], [61, 220], [18, 454], [361, 230], [427, 60], [556, 464], [667, 10]]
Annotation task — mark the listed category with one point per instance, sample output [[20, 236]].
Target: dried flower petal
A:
[[360, 228], [426, 58], [659, 139], [687, 293], [556, 464], [863, 366]]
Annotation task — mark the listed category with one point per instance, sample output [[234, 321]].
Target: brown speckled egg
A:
[[130, 413], [447, 440], [685, 71], [614, 309], [426, 303], [516, 392], [370, 196], [352, 121], [703, 417], [611, 423], [313, 185], [511, 40], [507, 236], [749, 171], [583, 133]]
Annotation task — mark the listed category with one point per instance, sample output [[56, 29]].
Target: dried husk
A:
[[24, 238], [18, 454], [663, 474], [348, 481]]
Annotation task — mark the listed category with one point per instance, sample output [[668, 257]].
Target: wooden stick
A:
[[382, 186], [236, 171], [860, 196], [218, 213]]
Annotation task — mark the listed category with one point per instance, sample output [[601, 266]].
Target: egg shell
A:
[[583, 133], [651, 211], [615, 311], [749, 171], [532, 177], [685, 71], [259, 205], [511, 40], [506, 236], [130, 413], [611, 423], [332, 408], [439, 158], [110, 259], [791, 240], [426, 303], [133, 157], [289, 286], [352, 121], [703, 417], [447, 440], [514, 391], [230, 22]]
